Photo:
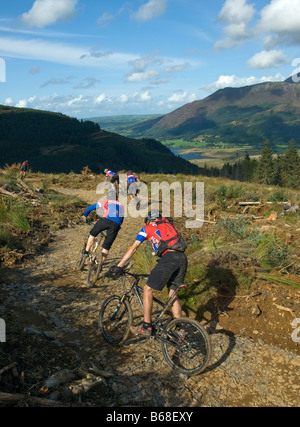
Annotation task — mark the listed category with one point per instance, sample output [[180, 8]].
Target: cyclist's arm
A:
[[131, 251], [90, 209]]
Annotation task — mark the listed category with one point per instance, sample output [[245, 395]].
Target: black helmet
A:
[[153, 215]]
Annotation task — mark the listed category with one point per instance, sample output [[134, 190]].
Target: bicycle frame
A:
[[137, 290]]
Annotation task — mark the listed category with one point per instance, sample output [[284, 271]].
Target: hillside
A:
[[246, 115], [244, 289], [54, 142]]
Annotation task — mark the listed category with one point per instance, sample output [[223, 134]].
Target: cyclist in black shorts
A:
[[114, 178], [110, 221], [171, 267]]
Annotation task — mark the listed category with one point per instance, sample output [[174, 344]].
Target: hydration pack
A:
[[170, 237]]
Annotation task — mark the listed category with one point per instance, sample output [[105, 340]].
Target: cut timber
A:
[[36, 401], [28, 190], [8, 193], [258, 203]]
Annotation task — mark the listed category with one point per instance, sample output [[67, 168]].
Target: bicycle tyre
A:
[[81, 262], [94, 270], [187, 348], [115, 319]]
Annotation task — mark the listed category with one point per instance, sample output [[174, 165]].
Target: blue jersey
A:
[[131, 178], [112, 209]]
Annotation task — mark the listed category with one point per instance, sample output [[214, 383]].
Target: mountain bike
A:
[[93, 261], [184, 342]]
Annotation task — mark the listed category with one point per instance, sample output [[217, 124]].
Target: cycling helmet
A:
[[129, 172], [153, 215], [105, 170]]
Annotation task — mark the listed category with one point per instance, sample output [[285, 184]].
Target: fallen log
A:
[[36, 401], [8, 193], [28, 190], [259, 203]]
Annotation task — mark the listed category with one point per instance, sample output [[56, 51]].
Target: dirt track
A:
[[50, 295]]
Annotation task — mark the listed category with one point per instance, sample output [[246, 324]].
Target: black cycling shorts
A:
[[171, 267], [115, 178], [112, 228]]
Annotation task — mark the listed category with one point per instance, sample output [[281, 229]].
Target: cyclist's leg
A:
[[98, 227], [178, 277], [162, 274], [112, 230]]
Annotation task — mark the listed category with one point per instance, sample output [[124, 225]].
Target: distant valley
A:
[[231, 117]]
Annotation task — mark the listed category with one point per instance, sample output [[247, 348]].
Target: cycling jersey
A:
[[150, 232], [131, 178], [110, 174], [112, 209]]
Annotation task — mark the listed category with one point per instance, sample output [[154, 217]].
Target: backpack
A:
[[170, 237]]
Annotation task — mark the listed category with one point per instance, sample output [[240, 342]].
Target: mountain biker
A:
[[24, 168], [112, 217], [114, 177], [132, 180], [171, 267]]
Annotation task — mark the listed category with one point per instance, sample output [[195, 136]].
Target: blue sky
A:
[[88, 58]]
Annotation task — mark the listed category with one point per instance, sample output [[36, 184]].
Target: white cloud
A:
[[235, 81], [281, 18], [140, 77], [177, 68], [100, 98], [123, 99], [48, 12], [268, 59], [8, 101], [38, 49], [104, 19], [22, 103], [150, 10], [178, 97], [237, 14], [145, 97], [235, 11]]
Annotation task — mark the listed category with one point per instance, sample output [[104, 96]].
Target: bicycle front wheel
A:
[[187, 347], [81, 261], [115, 319]]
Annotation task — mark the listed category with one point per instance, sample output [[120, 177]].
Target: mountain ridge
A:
[[246, 116]]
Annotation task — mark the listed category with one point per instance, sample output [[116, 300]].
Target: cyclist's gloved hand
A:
[[116, 271]]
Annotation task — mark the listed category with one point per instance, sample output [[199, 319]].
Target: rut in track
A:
[[242, 371]]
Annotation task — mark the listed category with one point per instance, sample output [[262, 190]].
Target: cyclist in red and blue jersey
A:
[[171, 268], [114, 177], [112, 217], [132, 180]]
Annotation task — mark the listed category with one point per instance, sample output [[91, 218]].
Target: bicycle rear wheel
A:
[[115, 319], [187, 347]]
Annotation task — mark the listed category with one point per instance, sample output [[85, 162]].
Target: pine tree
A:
[[265, 172], [290, 167]]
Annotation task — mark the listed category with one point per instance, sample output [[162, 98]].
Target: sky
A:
[[93, 58]]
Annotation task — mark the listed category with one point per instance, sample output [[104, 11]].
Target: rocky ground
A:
[[52, 329]]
